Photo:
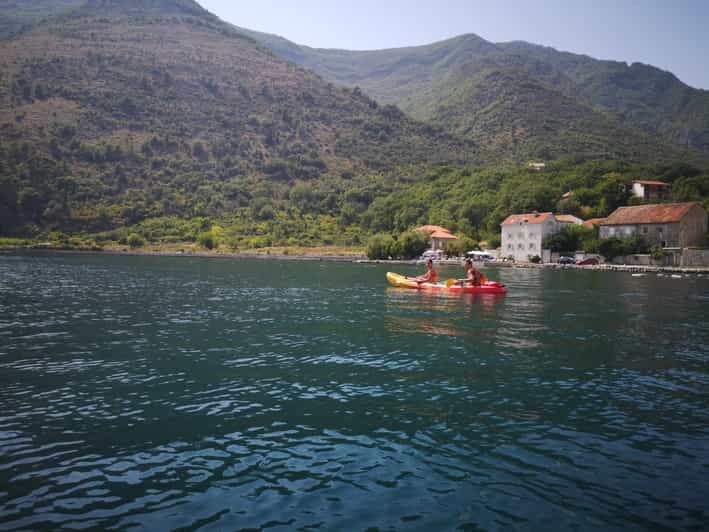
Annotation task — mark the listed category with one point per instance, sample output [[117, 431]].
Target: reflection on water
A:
[[155, 393], [441, 313]]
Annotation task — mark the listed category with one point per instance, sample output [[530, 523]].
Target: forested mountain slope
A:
[[125, 109], [425, 80]]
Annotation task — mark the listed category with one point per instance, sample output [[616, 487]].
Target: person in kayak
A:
[[473, 276], [431, 275]]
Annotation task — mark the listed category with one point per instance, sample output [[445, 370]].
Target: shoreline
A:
[[359, 259]]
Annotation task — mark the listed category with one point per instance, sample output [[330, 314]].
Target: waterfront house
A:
[[568, 219], [650, 190], [669, 225], [439, 235], [523, 234]]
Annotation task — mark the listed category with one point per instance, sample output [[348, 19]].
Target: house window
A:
[[531, 245], [520, 246], [510, 246], [645, 230]]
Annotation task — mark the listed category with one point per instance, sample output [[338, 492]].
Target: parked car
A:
[[432, 254], [479, 255], [567, 260], [588, 262]]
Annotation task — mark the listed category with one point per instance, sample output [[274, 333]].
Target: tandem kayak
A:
[[490, 287]]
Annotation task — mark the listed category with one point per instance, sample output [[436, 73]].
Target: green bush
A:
[[135, 240], [206, 240], [614, 247], [569, 239], [458, 248], [535, 259], [657, 253], [380, 246], [410, 244]]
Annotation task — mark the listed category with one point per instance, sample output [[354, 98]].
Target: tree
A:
[[411, 244], [380, 246]]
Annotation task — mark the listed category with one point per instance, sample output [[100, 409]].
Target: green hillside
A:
[[132, 120], [18, 15], [120, 111], [425, 80]]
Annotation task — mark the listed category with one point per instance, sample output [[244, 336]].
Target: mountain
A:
[[17, 15], [425, 80], [118, 110]]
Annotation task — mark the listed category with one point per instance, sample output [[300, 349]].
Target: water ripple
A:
[[160, 394]]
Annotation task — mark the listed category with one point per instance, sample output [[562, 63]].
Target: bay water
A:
[[162, 393]]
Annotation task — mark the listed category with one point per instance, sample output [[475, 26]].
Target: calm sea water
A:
[[160, 393]]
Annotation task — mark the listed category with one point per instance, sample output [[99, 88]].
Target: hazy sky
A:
[[670, 34]]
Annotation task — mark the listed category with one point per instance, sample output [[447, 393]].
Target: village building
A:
[[523, 234], [669, 225], [568, 219], [440, 236], [650, 190]]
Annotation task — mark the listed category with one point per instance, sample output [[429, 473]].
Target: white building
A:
[[523, 234]]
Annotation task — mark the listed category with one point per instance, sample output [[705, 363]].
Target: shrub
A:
[[380, 246], [135, 240], [206, 239], [536, 259], [657, 253], [459, 247], [611, 247], [410, 244]]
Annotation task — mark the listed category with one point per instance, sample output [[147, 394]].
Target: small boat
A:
[[490, 287]]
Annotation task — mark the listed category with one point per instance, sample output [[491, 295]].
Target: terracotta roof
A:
[[444, 235], [530, 218], [567, 218], [658, 183], [594, 221], [649, 214], [432, 229]]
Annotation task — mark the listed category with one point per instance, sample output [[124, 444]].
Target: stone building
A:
[[523, 234], [669, 225]]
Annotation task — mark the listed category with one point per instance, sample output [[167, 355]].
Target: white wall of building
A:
[[524, 240]]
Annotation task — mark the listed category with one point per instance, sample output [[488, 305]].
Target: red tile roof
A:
[[443, 235], [432, 229], [594, 221], [658, 183], [649, 214], [530, 218]]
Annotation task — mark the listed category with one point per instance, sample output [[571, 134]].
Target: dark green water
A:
[[158, 393]]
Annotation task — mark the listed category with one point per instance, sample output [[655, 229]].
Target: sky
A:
[[670, 34]]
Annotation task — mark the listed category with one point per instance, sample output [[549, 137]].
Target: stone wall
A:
[[694, 257]]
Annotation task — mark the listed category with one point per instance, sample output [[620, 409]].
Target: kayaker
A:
[[431, 275], [472, 274]]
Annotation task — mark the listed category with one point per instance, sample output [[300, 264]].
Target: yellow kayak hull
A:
[[401, 281]]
